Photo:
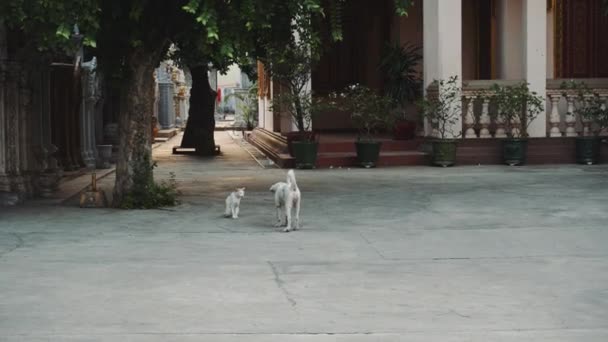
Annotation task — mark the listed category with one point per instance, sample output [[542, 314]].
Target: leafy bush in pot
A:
[[443, 107], [517, 106], [589, 106], [371, 113]]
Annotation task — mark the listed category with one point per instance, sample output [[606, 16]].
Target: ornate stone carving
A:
[[91, 90]]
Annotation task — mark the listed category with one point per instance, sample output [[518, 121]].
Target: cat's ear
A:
[[243, 188]]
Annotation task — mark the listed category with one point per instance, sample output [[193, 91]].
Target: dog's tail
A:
[[291, 180]]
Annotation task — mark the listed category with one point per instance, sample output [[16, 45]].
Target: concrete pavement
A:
[[400, 254]]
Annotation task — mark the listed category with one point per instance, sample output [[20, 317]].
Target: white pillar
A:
[[535, 57], [261, 109], [442, 46], [510, 42], [266, 116]]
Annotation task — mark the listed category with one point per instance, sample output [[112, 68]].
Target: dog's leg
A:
[[288, 214], [279, 217], [227, 211], [297, 218]]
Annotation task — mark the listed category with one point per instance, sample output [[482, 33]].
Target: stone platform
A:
[[338, 150]]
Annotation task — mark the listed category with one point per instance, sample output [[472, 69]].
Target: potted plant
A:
[[442, 108], [402, 83], [592, 116], [518, 107], [248, 105], [303, 107], [371, 113], [291, 69]]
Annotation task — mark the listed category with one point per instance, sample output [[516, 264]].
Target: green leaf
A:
[[63, 31], [88, 41]]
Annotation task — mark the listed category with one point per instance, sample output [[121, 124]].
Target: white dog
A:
[[233, 203], [287, 196]]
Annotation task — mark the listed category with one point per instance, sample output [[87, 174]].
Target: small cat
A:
[[233, 202]]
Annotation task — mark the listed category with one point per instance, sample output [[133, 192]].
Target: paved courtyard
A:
[[397, 254]]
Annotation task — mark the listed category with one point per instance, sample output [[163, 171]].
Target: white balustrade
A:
[[563, 107], [561, 110]]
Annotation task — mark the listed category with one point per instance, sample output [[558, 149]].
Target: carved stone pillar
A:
[[13, 188], [89, 107], [166, 108], [47, 174]]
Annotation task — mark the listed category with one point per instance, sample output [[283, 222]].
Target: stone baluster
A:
[[469, 119], [570, 117], [435, 126], [87, 122], [554, 118], [500, 127], [604, 98], [484, 119], [586, 123]]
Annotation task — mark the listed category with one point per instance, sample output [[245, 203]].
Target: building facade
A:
[[482, 42]]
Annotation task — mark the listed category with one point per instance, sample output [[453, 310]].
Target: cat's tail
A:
[[291, 180]]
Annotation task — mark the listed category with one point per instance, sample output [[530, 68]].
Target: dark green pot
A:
[[368, 153], [515, 151], [444, 152], [305, 153], [588, 150]]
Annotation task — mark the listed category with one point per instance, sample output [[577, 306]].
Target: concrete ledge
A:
[[191, 150], [167, 133]]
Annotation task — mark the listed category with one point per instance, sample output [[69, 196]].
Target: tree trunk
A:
[[299, 113], [135, 126], [201, 116]]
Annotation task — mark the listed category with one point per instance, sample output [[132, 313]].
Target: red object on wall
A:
[[219, 95]]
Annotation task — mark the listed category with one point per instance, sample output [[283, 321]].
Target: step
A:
[[167, 133], [349, 146], [160, 140], [391, 158]]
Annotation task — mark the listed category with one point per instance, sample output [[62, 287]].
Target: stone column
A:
[[535, 57], [12, 185], [442, 48], [165, 105], [3, 179], [166, 109], [3, 86], [88, 107], [261, 112], [509, 62], [48, 171], [268, 109], [184, 104]]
